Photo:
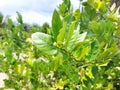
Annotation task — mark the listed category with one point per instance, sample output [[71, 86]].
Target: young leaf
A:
[[68, 18], [60, 37], [19, 18], [70, 32], [77, 14], [56, 24]]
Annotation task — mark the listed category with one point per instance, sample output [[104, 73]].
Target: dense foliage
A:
[[78, 52]]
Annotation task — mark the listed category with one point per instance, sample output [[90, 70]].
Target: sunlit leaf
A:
[[44, 43], [81, 53], [77, 14], [61, 35], [75, 39], [112, 8], [70, 32]]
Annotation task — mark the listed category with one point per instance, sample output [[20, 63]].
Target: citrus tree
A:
[[79, 51], [82, 46]]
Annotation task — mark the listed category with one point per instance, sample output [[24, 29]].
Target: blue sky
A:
[[33, 11]]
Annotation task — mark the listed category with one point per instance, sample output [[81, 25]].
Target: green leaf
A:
[[94, 71], [10, 22], [108, 53], [81, 52], [89, 79], [56, 61], [43, 67], [1, 18], [93, 54], [75, 39], [70, 32], [77, 14], [102, 8], [44, 43], [90, 12], [86, 82], [19, 18], [61, 36], [56, 24], [68, 18], [62, 9], [8, 53]]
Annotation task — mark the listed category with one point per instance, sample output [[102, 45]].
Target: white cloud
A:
[[32, 17], [75, 3], [33, 11], [21, 5]]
